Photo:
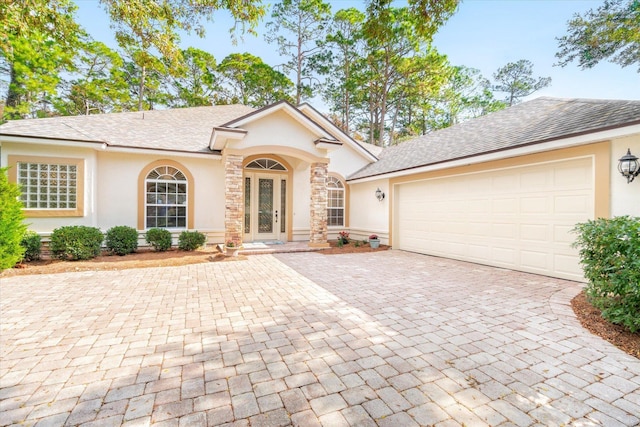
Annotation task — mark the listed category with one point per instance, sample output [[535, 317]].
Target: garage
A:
[[516, 217]]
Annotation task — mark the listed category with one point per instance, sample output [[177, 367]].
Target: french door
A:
[[265, 207]]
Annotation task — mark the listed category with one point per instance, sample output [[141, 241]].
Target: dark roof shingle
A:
[[536, 121]]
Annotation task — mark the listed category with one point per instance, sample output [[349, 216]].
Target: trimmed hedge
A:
[[122, 240], [191, 240], [610, 255], [76, 242], [32, 244], [159, 239]]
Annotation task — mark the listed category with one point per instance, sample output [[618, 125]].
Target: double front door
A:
[[265, 202]]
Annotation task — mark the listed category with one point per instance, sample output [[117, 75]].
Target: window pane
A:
[[247, 205], [166, 189], [335, 202], [46, 186], [283, 205]]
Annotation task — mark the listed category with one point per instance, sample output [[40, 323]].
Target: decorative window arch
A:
[[266, 164], [165, 196], [336, 202]]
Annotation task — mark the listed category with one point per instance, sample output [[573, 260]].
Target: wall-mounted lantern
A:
[[379, 195], [629, 166]]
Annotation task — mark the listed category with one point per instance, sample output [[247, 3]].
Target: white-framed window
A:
[[166, 205], [266, 164], [335, 202]]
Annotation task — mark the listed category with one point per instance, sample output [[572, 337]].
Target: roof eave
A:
[[569, 140], [221, 135]]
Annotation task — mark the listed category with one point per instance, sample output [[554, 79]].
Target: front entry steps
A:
[[272, 247]]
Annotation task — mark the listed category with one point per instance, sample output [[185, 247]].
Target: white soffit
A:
[[220, 136]]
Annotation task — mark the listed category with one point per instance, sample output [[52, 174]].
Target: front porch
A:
[[262, 201]]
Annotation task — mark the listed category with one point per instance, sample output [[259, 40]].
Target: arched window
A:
[[335, 202], [266, 164], [166, 198]]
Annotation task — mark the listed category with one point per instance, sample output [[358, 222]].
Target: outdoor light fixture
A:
[[379, 195], [628, 166]]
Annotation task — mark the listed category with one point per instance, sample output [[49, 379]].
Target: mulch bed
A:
[[590, 318], [351, 248]]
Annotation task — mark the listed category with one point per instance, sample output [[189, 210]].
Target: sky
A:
[[483, 34]]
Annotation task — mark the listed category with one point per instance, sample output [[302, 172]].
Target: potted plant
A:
[[231, 249], [343, 237], [374, 241]]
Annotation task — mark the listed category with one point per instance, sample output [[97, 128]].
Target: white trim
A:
[[546, 162], [295, 113], [220, 136], [190, 154], [315, 115], [514, 152], [96, 145], [103, 146]]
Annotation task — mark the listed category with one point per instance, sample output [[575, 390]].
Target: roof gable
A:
[[287, 108]]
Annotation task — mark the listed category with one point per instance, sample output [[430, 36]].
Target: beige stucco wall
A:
[[625, 197], [278, 134], [366, 214], [118, 190], [47, 224]]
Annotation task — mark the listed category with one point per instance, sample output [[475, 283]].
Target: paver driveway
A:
[[386, 338]]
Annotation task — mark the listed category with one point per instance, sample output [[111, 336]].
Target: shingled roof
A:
[[181, 129], [543, 119]]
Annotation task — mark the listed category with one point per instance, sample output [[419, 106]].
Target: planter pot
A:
[[374, 243], [232, 251]]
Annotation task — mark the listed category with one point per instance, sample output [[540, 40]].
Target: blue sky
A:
[[483, 34]]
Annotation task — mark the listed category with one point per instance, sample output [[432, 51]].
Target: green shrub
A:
[[32, 244], [11, 226], [76, 242], [159, 239], [191, 240], [122, 240], [610, 255]]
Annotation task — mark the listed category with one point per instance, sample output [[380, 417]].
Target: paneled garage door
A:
[[518, 218]]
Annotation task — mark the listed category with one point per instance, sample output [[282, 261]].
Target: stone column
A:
[[234, 209], [318, 235]]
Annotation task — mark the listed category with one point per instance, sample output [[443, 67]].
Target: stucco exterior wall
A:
[[118, 190], [278, 134], [46, 225], [625, 197], [346, 161], [366, 214]]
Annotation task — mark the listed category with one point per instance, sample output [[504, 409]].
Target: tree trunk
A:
[[143, 74], [13, 97]]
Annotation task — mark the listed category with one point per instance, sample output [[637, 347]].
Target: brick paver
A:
[[305, 339]]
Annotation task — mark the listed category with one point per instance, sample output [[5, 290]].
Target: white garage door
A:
[[518, 218]]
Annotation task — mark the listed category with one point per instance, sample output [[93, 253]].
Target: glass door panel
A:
[[265, 205]]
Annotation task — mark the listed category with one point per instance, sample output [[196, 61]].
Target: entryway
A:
[[265, 201]]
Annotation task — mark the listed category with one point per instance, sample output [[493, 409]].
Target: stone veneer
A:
[[234, 200], [318, 235]]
